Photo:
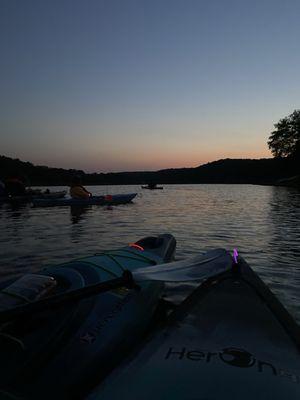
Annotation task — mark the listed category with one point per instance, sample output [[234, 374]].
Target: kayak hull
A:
[[94, 200], [231, 339], [81, 342]]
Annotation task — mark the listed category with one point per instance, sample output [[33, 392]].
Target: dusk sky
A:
[[145, 85]]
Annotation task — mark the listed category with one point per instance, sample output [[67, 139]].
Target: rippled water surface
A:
[[261, 221]]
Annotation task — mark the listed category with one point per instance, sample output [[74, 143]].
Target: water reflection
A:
[[263, 222], [77, 213], [283, 273], [283, 222]]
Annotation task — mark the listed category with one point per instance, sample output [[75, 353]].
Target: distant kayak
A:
[[33, 196], [231, 339], [94, 200], [152, 188], [51, 195], [57, 353]]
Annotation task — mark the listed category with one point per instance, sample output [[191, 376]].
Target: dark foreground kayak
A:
[[94, 200], [58, 353], [231, 339]]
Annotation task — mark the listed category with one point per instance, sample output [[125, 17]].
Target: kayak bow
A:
[[231, 339]]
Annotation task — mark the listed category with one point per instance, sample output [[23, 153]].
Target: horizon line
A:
[[137, 171]]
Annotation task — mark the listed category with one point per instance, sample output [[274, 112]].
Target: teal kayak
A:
[[114, 199], [231, 339], [60, 353]]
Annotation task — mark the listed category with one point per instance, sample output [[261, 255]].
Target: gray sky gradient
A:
[[143, 85]]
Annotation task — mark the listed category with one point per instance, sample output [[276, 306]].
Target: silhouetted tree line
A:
[[284, 143], [221, 171]]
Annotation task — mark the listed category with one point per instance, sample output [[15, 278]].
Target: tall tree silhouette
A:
[[285, 140]]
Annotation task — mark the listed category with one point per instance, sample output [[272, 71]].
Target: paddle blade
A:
[[191, 269]]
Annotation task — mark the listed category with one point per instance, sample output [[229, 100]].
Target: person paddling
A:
[[77, 191]]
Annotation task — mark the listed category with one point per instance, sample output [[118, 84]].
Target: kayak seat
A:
[[90, 274], [67, 278]]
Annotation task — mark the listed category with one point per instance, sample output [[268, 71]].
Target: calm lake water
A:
[[261, 221]]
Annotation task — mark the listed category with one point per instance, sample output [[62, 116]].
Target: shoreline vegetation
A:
[[280, 171]]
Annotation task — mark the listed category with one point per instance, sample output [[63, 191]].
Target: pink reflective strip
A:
[[235, 255], [136, 246]]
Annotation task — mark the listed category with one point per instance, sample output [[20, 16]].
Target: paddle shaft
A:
[[68, 297]]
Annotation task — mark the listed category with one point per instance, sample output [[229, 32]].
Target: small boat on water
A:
[[152, 187], [51, 195], [106, 200]]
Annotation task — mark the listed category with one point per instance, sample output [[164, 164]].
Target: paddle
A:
[[192, 269]]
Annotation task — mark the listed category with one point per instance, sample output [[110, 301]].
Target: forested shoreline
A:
[[231, 171]]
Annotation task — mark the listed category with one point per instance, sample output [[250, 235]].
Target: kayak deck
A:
[[231, 339]]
